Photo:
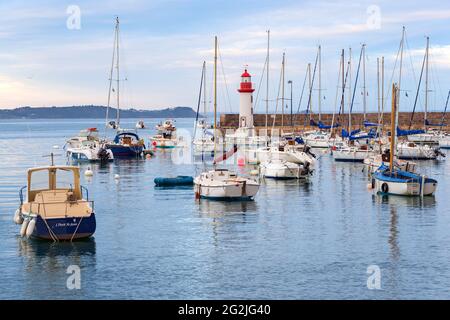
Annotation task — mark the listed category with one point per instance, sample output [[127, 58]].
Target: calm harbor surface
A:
[[295, 241]]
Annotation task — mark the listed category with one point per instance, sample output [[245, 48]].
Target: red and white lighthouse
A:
[[246, 101]]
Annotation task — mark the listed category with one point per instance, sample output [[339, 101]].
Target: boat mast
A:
[[215, 93], [382, 93], [350, 90], [320, 83], [282, 90], [204, 90], [393, 117], [401, 66], [426, 82], [267, 82], [199, 100], [118, 76], [111, 75], [378, 90], [364, 80]]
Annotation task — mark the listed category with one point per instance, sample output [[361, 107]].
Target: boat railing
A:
[[21, 194], [84, 189]]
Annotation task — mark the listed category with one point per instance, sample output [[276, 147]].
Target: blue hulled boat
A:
[[126, 144], [54, 208]]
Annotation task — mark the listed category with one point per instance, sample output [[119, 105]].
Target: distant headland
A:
[[92, 112]]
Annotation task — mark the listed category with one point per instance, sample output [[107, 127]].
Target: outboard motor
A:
[[103, 154], [307, 150], [438, 153]]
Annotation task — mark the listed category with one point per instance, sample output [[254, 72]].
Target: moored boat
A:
[[54, 208], [87, 146]]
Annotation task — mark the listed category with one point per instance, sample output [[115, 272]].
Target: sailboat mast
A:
[[426, 82], [118, 75], [382, 93], [215, 93], [343, 81], [378, 89], [204, 90], [401, 67], [282, 89], [111, 76], [320, 84], [350, 90], [364, 81], [267, 81], [393, 125]]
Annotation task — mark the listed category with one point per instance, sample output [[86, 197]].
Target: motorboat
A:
[[56, 207], [222, 184], [140, 125], [87, 146], [281, 169], [126, 144]]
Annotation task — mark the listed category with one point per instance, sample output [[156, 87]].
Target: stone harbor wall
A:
[[231, 121]]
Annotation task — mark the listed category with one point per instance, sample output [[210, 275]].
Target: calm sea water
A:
[[295, 241]]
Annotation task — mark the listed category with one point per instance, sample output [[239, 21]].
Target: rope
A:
[[50, 232], [73, 235]]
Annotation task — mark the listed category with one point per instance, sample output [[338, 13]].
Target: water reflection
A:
[[414, 202]]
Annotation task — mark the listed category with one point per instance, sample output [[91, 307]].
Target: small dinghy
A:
[[174, 181]]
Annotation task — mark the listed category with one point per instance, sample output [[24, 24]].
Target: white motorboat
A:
[[87, 146], [167, 125], [317, 139], [444, 141], [281, 169], [140, 125], [342, 152], [411, 150], [222, 184], [289, 153]]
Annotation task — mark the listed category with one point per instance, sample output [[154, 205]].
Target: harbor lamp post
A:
[[292, 123]]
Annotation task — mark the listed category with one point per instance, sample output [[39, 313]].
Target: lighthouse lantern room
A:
[[246, 101]]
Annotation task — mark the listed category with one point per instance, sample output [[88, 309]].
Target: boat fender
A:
[[23, 228], [88, 172], [18, 219], [116, 177], [30, 228], [385, 187]]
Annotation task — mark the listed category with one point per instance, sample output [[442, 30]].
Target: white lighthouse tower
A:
[[246, 104]]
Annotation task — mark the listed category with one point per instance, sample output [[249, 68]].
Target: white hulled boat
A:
[[87, 146], [222, 184], [281, 169]]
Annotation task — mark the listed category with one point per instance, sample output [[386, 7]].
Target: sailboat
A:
[[409, 149], [222, 184], [127, 143], [391, 180], [348, 150], [203, 138]]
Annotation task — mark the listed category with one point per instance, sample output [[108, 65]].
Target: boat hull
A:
[[64, 228], [228, 192], [120, 151], [351, 156]]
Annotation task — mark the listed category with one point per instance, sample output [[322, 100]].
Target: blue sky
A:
[[43, 63]]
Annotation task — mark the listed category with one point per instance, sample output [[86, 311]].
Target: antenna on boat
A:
[[52, 157]]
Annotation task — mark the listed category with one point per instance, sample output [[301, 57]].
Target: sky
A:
[[52, 56]]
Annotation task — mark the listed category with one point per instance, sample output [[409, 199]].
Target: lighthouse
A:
[[246, 102]]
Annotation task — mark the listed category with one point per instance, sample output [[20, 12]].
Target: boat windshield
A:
[[39, 180], [64, 179]]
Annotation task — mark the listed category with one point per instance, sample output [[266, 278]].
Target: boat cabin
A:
[[55, 191]]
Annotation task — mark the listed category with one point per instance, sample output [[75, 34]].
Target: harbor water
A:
[[297, 240]]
